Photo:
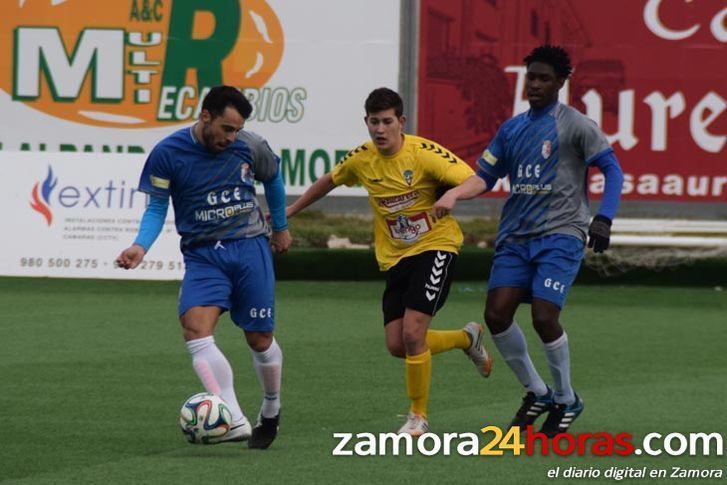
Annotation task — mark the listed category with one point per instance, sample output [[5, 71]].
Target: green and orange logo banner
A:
[[134, 63]]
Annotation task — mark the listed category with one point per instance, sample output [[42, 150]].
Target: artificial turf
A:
[[94, 372]]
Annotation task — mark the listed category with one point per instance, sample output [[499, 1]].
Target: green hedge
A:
[[474, 265]]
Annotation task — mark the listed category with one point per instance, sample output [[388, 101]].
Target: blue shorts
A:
[[546, 266], [234, 275]]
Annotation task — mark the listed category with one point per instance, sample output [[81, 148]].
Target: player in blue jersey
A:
[[544, 224], [209, 170]]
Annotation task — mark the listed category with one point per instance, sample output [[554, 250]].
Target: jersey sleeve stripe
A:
[[438, 150], [358, 149]]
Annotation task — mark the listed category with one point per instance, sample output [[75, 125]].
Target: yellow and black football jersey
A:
[[402, 190]]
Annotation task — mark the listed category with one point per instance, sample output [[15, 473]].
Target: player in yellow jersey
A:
[[416, 243]]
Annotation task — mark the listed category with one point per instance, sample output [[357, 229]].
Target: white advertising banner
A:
[[71, 214], [115, 77]]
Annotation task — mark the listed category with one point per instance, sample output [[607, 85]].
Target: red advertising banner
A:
[[651, 73]]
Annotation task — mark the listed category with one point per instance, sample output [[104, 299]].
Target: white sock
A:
[[215, 372], [558, 356], [514, 349], [269, 366]]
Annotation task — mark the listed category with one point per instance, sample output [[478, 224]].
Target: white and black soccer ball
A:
[[204, 417]]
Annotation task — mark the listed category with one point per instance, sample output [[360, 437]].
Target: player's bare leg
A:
[[501, 306], [468, 339], [546, 320], [199, 322], [394, 338]]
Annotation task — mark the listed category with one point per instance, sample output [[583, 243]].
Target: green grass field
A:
[[94, 372]]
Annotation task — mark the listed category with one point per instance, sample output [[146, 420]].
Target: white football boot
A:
[[416, 425], [239, 431], [476, 351]]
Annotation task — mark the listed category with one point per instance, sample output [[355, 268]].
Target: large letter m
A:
[[41, 49]]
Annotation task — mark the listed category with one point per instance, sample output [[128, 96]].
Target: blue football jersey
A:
[[213, 194], [546, 155]]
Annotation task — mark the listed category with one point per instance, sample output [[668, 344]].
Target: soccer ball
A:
[[204, 417]]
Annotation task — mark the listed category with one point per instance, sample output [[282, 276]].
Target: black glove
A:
[[599, 233]]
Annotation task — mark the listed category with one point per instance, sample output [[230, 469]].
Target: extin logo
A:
[[103, 195], [136, 63]]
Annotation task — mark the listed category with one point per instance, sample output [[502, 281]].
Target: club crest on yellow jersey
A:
[[408, 177]]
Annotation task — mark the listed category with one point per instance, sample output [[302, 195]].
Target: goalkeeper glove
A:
[[599, 233]]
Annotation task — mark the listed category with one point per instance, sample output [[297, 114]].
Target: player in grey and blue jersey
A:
[[546, 152], [209, 171]]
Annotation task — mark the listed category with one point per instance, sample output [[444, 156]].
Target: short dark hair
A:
[[220, 97], [552, 55], [381, 99]]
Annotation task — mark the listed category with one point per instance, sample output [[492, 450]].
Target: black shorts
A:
[[419, 282]]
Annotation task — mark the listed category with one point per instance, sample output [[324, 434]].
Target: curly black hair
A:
[[552, 55]]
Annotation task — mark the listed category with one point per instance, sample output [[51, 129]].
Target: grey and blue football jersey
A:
[[213, 194], [546, 154]]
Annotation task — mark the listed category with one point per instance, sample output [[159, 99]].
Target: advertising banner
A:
[[651, 73], [115, 77], [73, 213]]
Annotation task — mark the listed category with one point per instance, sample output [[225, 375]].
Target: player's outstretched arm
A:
[[317, 191], [151, 225], [471, 187]]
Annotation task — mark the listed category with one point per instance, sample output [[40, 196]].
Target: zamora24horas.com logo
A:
[[494, 441], [142, 63]]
